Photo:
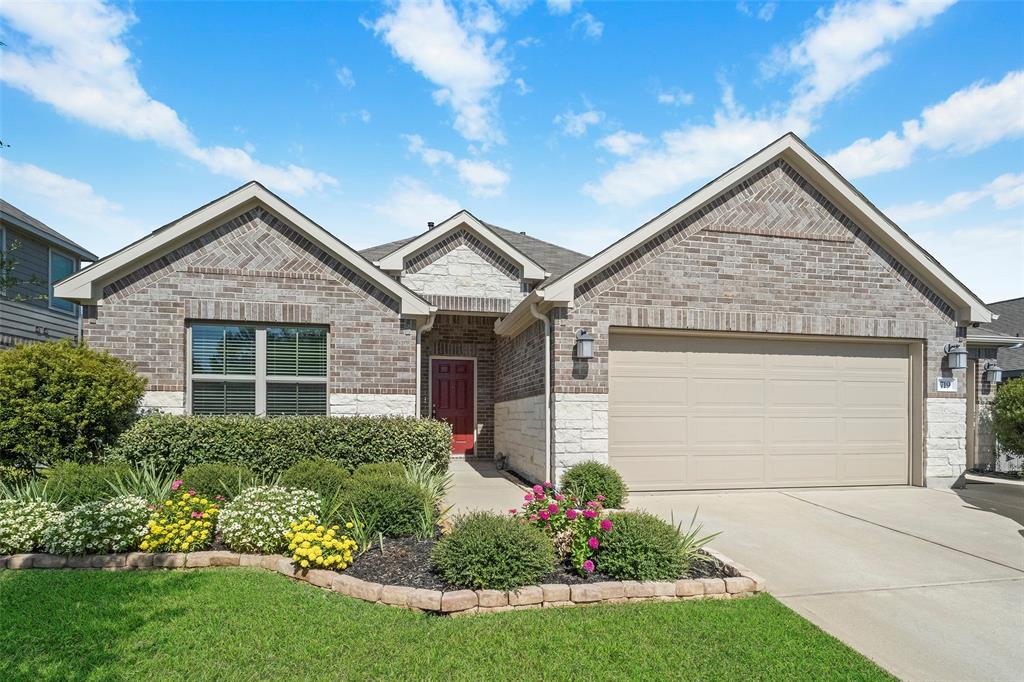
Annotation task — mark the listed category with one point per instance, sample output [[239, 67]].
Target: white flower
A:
[[259, 517]]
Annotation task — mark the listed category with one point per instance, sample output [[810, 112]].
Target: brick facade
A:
[[255, 268], [519, 364]]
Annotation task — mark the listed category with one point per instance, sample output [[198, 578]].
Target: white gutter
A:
[[419, 363], [548, 464]]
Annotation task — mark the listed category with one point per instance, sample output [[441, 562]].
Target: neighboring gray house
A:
[[773, 329], [29, 311]]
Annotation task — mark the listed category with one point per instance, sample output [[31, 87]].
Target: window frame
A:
[[260, 376], [50, 298]]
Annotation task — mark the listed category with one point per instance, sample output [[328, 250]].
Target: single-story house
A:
[[36, 256], [773, 329]]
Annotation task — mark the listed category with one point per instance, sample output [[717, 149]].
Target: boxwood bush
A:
[[211, 479], [1008, 415], [394, 507], [379, 470], [587, 480], [75, 484], [487, 551], [322, 476], [268, 446], [642, 546]]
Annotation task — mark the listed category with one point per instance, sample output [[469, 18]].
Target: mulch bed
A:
[[407, 562]]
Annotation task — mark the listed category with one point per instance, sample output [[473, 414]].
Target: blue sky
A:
[[575, 122]]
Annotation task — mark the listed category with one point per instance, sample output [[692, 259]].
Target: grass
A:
[[244, 624]]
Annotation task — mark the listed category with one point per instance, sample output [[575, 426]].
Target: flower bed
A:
[[737, 582]]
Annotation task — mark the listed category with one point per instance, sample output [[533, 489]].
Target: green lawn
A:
[[241, 624]]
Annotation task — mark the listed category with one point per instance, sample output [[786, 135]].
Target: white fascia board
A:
[[969, 308], [86, 286], [395, 261], [520, 318]]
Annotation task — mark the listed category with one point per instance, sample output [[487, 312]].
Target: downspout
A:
[[419, 363], [548, 463]]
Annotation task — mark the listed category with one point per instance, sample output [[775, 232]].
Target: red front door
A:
[[451, 392]]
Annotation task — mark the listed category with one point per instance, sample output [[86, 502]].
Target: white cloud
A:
[[521, 87], [1006, 191], [985, 258], [562, 6], [345, 77], [79, 64], [968, 120], [361, 115], [575, 125], [412, 204], [455, 57], [765, 11], [483, 177], [847, 44], [676, 97], [591, 27], [623, 142], [77, 211]]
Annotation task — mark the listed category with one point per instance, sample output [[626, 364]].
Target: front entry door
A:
[[451, 393]]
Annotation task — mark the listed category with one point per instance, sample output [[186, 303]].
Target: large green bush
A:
[[322, 476], [270, 445], [487, 551], [641, 546], [380, 470], [1008, 415], [60, 400], [75, 484], [393, 507], [587, 480], [216, 478]]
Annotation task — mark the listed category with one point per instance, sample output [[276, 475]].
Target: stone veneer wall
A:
[[519, 408], [372, 404], [254, 269], [771, 255], [467, 336], [580, 428], [988, 455]]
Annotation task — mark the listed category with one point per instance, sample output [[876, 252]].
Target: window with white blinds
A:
[[248, 369]]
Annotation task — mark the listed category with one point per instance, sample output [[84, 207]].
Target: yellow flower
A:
[[304, 563], [349, 525]]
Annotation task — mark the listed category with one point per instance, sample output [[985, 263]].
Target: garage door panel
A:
[[757, 412]]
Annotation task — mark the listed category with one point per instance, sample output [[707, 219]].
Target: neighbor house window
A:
[[60, 267], [246, 369]]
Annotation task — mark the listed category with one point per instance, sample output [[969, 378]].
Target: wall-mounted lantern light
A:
[[584, 345], [956, 356], [993, 373]]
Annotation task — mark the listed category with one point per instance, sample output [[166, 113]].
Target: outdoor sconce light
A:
[[584, 345], [993, 373], [956, 355]]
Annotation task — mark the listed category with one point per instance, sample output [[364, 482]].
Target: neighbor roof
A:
[[19, 218], [556, 260], [1010, 323], [86, 286]]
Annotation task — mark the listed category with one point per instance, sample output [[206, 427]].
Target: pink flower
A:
[[553, 508], [547, 484], [588, 566], [590, 513], [528, 497], [606, 524], [592, 503], [570, 514], [513, 512], [544, 515], [537, 489], [559, 497], [593, 543], [600, 498], [191, 492], [534, 517], [176, 484]]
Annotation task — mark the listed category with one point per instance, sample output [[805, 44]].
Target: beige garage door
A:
[[689, 412]]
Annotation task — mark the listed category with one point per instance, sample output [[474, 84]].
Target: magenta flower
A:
[[553, 508], [588, 566], [537, 489], [528, 497], [559, 497], [513, 512], [606, 524], [593, 543], [592, 503], [547, 484], [600, 498], [544, 515], [176, 484], [534, 517], [590, 513], [570, 514]]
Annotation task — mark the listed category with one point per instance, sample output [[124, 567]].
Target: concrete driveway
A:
[[928, 583]]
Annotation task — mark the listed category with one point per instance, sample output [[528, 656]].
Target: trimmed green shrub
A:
[[322, 476], [391, 506], [270, 445], [1008, 415], [487, 551], [59, 400], [117, 525], [587, 480], [380, 470], [214, 478], [75, 484], [641, 546]]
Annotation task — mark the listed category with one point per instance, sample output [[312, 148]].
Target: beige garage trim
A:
[[732, 411]]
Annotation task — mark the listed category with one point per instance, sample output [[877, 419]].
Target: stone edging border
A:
[[742, 582]]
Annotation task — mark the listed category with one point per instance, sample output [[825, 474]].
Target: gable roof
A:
[[555, 259], [395, 259], [14, 215], [1007, 328], [86, 286]]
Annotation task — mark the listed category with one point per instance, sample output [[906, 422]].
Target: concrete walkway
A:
[[928, 583], [477, 484]]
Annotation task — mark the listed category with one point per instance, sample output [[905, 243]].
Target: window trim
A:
[[260, 376], [50, 252]]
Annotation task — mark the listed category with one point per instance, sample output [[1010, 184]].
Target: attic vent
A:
[[522, 233], [430, 225]]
